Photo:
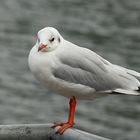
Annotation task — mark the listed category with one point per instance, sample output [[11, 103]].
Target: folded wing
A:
[[82, 66]]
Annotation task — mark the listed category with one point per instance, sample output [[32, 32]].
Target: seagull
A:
[[77, 72]]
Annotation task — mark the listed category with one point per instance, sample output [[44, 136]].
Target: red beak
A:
[[41, 46]]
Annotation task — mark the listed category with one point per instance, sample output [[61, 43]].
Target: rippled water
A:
[[111, 28]]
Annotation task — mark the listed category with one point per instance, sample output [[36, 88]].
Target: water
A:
[[111, 28]]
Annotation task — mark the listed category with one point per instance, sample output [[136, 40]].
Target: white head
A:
[[48, 39]]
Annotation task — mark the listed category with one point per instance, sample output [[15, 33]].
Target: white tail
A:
[[123, 91]]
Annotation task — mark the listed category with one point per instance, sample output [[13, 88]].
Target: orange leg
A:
[[70, 122]]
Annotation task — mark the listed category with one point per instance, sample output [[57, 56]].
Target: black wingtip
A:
[[138, 89], [117, 93]]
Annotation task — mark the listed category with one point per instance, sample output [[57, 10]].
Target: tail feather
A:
[[126, 92]]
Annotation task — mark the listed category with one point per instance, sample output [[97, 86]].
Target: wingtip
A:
[[138, 89], [126, 92]]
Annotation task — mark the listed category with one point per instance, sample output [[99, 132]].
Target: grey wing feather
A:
[[89, 69]]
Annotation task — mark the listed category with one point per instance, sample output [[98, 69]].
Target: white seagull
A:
[[76, 72]]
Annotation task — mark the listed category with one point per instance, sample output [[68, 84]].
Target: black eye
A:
[[52, 39]]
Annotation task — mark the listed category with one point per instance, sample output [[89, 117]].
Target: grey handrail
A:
[[42, 132]]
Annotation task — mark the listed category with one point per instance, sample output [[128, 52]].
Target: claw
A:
[[63, 128], [58, 124]]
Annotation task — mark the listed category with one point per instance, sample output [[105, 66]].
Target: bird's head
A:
[[48, 39]]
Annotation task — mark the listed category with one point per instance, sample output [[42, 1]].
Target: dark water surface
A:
[[111, 28]]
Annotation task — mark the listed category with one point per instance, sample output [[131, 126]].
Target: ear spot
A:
[[59, 39]]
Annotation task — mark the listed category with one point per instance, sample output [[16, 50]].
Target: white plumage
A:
[[70, 70]]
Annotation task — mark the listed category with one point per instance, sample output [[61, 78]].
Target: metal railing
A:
[[42, 132]]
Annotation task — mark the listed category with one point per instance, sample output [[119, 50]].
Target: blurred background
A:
[[109, 27]]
